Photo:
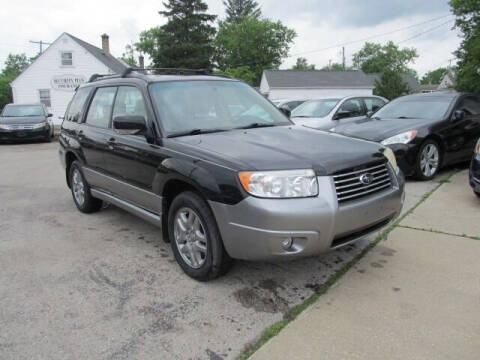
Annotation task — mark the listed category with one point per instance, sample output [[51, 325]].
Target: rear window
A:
[[23, 110]]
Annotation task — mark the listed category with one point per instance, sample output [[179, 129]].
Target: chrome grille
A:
[[349, 186], [20, 126]]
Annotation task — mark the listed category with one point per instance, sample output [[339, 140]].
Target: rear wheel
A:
[[82, 197], [477, 193], [195, 239], [428, 160]]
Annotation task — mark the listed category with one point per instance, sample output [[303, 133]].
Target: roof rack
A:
[[135, 72]]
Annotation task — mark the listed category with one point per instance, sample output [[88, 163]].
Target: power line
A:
[[371, 37], [426, 31]]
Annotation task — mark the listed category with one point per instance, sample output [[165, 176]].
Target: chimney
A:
[[141, 62], [105, 44]]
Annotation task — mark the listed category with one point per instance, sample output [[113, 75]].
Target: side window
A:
[[75, 110], [373, 104], [100, 109], [470, 105], [129, 101], [353, 107]]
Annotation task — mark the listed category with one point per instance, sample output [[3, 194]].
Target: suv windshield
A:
[[23, 110], [211, 105], [431, 108], [315, 108]]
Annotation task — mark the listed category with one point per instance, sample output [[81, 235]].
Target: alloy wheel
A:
[[190, 237], [78, 187], [429, 160]]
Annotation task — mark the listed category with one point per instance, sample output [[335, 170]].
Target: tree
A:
[[256, 43], [434, 76], [302, 64], [185, 41], [374, 58], [468, 21], [14, 65], [238, 10], [243, 73], [391, 84], [129, 55]]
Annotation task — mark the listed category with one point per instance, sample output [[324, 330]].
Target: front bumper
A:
[[475, 173], [406, 155], [24, 134], [255, 228]]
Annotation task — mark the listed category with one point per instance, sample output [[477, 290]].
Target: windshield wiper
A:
[[404, 117], [301, 116], [195, 132], [255, 125]]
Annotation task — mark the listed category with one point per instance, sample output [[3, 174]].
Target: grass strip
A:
[[293, 312]]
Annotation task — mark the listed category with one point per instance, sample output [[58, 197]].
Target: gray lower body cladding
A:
[[255, 228]]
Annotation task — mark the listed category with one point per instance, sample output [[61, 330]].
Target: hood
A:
[[281, 148], [379, 129], [21, 119]]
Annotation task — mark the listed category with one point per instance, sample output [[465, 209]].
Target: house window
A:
[[67, 58], [44, 95]]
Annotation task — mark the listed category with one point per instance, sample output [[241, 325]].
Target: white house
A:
[[68, 62], [314, 84]]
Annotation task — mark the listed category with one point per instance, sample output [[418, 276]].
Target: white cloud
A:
[[317, 26]]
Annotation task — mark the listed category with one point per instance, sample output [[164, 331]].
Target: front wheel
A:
[[428, 160], [195, 239]]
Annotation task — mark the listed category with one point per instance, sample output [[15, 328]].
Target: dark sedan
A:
[[25, 122], [425, 131], [475, 170]]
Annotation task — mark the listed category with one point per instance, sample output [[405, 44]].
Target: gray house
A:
[[314, 84]]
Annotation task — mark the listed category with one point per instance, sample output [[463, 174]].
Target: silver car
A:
[[326, 113]]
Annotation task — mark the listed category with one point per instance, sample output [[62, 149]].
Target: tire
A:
[[195, 239], [477, 193], [48, 138], [81, 189], [428, 156]]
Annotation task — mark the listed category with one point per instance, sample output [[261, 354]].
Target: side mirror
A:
[[369, 113], [49, 115], [286, 111], [129, 125], [342, 114], [458, 115]]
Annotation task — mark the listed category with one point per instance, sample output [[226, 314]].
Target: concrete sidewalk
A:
[[414, 296]]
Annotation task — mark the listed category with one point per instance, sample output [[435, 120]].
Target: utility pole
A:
[[343, 57], [41, 43]]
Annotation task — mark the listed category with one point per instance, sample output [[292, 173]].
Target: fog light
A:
[[287, 243]]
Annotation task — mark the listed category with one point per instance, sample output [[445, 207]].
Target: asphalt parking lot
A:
[[106, 286]]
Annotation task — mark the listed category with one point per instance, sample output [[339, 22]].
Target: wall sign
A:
[[67, 82]]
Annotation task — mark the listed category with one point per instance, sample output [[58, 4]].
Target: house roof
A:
[[317, 79], [108, 60], [412, 82]]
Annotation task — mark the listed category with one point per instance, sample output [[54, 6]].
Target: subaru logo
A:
[[366, 179]]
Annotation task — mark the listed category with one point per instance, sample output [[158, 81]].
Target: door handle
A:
[[111, 140]]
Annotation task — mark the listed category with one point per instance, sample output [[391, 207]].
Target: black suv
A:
[[221, 170]]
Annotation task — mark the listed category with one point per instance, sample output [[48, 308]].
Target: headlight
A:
[[476, 150], [280, 184], [403, 138], [391, 159], [4, 127], [39, 125]]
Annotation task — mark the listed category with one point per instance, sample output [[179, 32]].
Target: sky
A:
[[322, 26]]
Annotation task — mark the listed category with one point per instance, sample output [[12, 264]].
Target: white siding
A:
[[39, 75], [303, 93]]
